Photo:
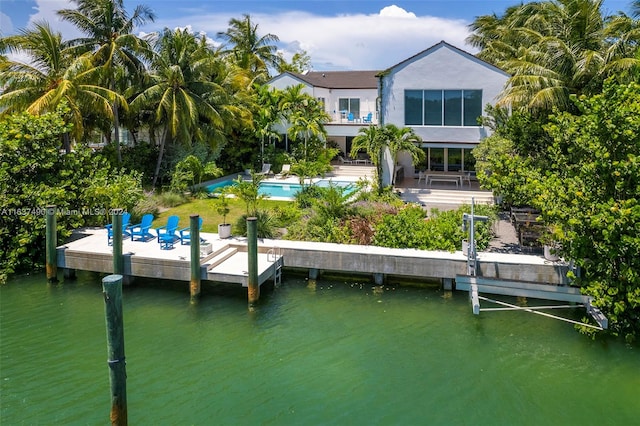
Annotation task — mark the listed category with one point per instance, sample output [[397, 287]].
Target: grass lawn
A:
[[206, 208]]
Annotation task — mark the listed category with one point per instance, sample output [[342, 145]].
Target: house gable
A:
[[287, 79], [444, 68]]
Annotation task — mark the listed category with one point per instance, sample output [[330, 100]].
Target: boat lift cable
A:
[[533, 311]]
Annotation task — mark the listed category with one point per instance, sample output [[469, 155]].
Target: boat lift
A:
[[474, 284]]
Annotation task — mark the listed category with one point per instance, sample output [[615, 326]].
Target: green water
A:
[[339, 354]]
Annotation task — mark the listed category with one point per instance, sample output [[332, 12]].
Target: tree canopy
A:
[[586, 183]]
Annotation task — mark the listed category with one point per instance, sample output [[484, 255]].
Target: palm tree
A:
[[182, 96], [108, 29], [52, 77], [308, 124], [267, 115], [552, 49], [373, 140], [402, 139], [249, 50], [304, 114]]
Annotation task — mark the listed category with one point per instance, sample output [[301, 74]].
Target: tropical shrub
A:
[[265, 225], [170, 199], [411, 228], [112, 190], [307, 195], [591, 193], [149, 204], [141, 158], [34, 174]]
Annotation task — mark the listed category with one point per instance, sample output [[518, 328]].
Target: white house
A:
[[440, 93], [349, 97]]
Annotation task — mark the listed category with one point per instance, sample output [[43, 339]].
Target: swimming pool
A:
[[219, 185], [289, 190], [281, 189]]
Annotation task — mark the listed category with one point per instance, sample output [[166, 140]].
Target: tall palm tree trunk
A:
[[165, 135], [116, 132]]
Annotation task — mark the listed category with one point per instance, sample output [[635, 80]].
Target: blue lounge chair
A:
[[185, 234], [141, 230], [168, 232], [350, 117], [126, 217], [368, 118]]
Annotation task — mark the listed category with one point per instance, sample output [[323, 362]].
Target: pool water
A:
[[219, 185], [282, 189]]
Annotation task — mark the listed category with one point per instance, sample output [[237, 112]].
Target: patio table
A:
[[443, 177]]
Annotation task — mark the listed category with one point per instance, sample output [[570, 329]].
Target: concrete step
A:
[[220, 257], [213, 253], [452, 197], [358, 171]]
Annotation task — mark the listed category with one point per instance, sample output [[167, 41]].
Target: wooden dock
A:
[[226, 260], [220, 260]]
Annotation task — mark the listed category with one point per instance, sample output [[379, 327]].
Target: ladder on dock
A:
[[275, 255]]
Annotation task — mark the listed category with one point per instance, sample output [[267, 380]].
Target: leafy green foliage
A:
[[584, 177], [140, 157], [306, 196], [411, 228], [222, 206], [34, 174], [112, 189], [592, 195], [248, 192], [265, 225], [333, 202]]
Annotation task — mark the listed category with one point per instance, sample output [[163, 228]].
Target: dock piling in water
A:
[[112, 290], [51, 244], [194, 241], [118, 260], [252, 251]]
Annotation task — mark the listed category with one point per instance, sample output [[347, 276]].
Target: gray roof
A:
[[340, 79]]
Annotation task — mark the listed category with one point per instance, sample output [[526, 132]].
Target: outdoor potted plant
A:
[[550, 246], [224, 228]]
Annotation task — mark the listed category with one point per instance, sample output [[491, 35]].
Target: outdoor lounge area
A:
[[165, 235]]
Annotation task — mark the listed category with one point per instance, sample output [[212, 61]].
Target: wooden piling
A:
[[51, 243], [116, 226], [252, 252], [112, 291], [194, 241]]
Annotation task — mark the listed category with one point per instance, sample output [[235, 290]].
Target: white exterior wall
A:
[[331, 96], [441, 68], [283, 81], [367, 101]]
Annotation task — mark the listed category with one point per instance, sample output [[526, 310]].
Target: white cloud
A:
[[394, 11], [6, 25], [45, 10], [364, 41], [350, 42]]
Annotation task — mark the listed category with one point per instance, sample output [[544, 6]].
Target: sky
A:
[[336, 34]]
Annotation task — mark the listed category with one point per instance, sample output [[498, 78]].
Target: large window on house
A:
[[442, 107], [413, 107], [349, 105]]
